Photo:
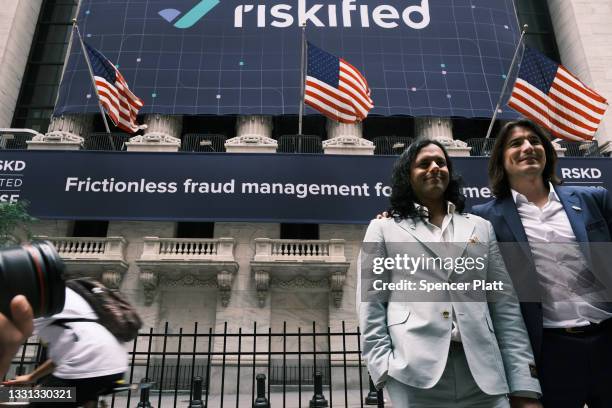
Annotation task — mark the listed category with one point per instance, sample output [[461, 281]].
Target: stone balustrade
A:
[[102, 258], [295, 263], [187, 261], [299, 250], [218, 249]]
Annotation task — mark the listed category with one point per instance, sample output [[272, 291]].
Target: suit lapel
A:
[[463, 228], [421, 235], [511, 218], [571, 204]]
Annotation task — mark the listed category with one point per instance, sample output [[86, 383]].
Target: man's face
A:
[[524, 154], [429, 175]]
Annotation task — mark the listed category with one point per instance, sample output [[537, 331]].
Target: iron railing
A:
[[581, 149], [480, 146], [391, 145], [207, 143], [231, 366], [105, 141], [300, 144], [15, 139]]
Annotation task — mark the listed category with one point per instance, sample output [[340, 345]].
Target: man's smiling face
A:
[[524, 154], [429, 175]]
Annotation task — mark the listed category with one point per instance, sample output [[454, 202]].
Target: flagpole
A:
[[302, 77], [91, 75], [501, 95]]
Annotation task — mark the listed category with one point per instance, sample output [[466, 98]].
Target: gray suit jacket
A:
[[410, 340]]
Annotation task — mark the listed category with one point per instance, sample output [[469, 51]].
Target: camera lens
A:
[[36, 271]]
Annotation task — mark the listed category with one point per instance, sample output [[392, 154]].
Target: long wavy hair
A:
[[402, 195], [497, 172]]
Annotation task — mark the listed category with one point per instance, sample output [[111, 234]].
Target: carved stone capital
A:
[[71, 124], [262, 284], [149, 281], [253, 135]]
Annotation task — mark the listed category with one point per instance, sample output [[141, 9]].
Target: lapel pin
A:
[[576, 208], [474, 240]]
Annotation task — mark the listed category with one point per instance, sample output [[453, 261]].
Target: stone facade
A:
[[298, 299], [17, 25], [583, 32]]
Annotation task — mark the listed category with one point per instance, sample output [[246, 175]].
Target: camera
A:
[[36, 271]]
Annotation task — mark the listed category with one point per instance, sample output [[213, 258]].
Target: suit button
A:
[[446, 314]]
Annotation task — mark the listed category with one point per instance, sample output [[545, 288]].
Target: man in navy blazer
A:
[[554, 242]]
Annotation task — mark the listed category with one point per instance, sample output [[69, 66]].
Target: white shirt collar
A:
[[521, 199], [450, 208]]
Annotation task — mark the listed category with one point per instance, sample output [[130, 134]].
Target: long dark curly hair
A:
[[403, 197]]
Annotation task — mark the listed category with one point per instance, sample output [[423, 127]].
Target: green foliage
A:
[[14, 223]]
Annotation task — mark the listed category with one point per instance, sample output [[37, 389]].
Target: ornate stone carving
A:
[[71, 125], [149, 280], [300, 282], [560, 150], [112, 278], [251, 140], [162, 133], [252, 135], [347, 141], [65, 133], [336, 285], [262, 284], [174, 278], [58, 136], [224, 281], [348, 145]]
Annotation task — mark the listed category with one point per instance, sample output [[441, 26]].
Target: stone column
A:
[[253, 135], [163, 134], [583, 31], [65, 132], [441, 130], [346, 138], [17, 25]]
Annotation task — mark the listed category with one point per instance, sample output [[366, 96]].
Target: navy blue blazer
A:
[[589, 210]]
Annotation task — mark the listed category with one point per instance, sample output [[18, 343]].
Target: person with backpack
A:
[[83, 353]]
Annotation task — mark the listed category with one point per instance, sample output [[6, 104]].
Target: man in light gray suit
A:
[[453, 346]]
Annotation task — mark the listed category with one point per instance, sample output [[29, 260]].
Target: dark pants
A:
[[87, 389], [576, 369]]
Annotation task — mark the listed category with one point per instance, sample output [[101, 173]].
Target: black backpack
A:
[[115, 313]]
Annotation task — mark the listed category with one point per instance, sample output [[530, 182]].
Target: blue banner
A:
[[190, 57], [228, 187]]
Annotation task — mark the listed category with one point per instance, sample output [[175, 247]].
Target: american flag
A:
[[549, 94], [119, 102], [336, 88]]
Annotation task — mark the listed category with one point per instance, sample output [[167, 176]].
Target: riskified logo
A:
[[344, 13], [192, 16]]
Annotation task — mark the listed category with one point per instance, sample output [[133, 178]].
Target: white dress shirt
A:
[[443, 233], [559, 262]]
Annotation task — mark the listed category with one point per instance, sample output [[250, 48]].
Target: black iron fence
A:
[[296, 367]]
